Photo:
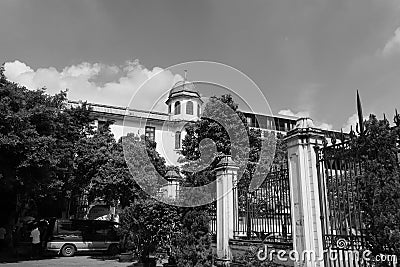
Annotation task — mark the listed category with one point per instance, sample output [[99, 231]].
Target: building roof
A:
[[183, 87]]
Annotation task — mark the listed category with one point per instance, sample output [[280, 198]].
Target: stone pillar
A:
[[173, 186], [304, 190], [226, 207]]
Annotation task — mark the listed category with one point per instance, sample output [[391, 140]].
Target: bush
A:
[[379, 185], [192, 245], [250, 259], [147, 225]]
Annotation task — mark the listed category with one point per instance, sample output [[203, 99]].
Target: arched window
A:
[[198, 110], [189, 108], [177, 108], [177, 140]]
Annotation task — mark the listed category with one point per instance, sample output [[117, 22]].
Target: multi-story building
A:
[[184, 105], [168, 129]]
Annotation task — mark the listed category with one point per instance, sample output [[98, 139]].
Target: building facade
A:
[[167, 129], [185, 106]]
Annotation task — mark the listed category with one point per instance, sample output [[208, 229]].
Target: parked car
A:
[[66, 237]]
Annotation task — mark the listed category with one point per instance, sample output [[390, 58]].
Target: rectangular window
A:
[[150, 133], [177, 108], [189, 108], [249, 122], [178, 140]]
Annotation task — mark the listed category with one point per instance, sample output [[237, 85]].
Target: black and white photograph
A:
[[191, 133]]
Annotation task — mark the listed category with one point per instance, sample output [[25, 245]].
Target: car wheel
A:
[[113, 249], [68, 250]]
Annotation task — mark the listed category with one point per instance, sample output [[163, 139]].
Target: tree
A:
[[379, 184], [98, 165], [280, 157], [226, 126], [101, 166], [192, 245], [148, 225], [145, 164], [234, 138], [38, 134]]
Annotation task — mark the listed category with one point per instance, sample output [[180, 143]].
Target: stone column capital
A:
[[226, 163], [305, 133]]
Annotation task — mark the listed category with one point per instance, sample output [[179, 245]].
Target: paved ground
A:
[[92, 260]]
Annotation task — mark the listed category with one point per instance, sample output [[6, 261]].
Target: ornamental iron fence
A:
[[265, 214]]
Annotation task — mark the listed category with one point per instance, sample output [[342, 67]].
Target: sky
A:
[[308, 57]]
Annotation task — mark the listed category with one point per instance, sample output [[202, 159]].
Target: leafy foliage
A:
[[207, 140], [148, 225], [101, 168], [379, 185], [192, 245], [363, 185], [38, 138], [250, 259], [145, 164]]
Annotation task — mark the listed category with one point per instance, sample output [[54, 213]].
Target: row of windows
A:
[[150, 135], [264, 122], [189, 108], [178, 136]]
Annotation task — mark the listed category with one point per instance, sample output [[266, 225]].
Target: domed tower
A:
[[184, 106], [184, 102]]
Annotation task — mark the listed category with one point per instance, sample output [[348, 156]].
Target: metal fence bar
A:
[[339, 169], [264, 214]]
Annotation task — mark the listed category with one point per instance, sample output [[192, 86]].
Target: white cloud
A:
[[83, 69], [306, 114], [15, 69], [393, 44], [300, 114], [324, 126], [99, 83]]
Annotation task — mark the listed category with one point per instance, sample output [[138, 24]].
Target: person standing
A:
[[36, 246], [2, 238]]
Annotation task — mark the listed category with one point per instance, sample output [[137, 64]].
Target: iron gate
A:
[[339, 172], [212, 213], [265, 214]]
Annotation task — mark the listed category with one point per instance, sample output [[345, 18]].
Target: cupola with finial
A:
[[184, 102]]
